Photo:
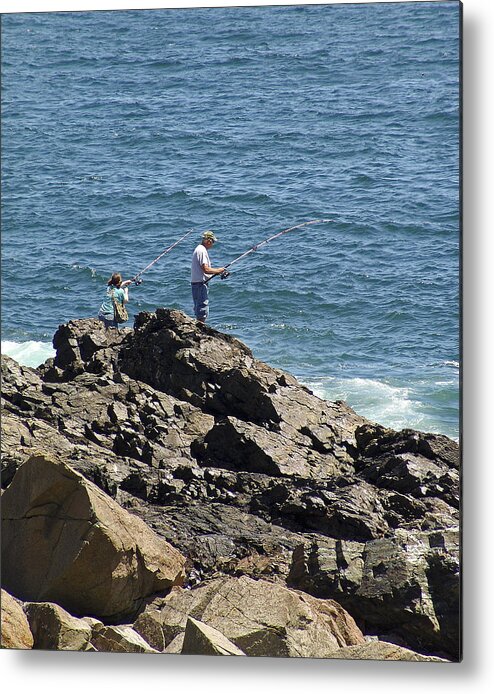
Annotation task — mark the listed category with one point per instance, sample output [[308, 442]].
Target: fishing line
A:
[[136, 279], [225, 274]]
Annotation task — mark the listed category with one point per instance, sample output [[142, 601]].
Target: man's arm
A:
[[212, 270]]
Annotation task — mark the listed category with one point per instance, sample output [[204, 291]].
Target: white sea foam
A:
[[76, 266], [30, 353], [391, 406]]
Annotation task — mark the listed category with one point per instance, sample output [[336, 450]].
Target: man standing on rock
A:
[[200, 272]]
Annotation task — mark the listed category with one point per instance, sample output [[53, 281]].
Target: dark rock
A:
[[236, 465], [406, 584]]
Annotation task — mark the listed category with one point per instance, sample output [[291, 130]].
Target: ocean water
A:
[[122, 130]]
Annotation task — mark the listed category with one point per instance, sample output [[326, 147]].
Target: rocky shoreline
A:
[[163, 491]]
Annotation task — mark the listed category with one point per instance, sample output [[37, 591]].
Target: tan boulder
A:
[[65, 541], [55, 629], [263, 618], [15, 631], [175, 646], [94, 623], [201, 639], [381, 650], [120, 639]]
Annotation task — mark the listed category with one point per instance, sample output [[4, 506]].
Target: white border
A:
[[76, 672]]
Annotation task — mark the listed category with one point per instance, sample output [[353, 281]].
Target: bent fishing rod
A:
[[225, 274], [136, 279]]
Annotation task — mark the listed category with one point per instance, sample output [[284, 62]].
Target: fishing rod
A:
[[136, 279], [225, 274]]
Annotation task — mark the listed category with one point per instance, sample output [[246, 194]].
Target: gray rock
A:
[[406, 584], [244, 446]]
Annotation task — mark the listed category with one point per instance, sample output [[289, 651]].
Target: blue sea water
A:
[[121, 130]]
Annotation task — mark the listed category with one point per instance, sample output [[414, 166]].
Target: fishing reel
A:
[[137, 282], [224, 275]]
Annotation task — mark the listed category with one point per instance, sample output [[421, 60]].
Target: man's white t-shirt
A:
[[200, 257]]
